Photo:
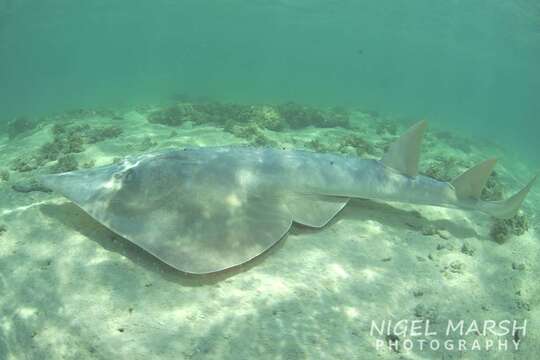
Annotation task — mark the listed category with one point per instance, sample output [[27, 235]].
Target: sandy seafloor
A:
[[71, 289]]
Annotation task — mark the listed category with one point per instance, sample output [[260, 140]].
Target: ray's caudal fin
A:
[[506, 209]]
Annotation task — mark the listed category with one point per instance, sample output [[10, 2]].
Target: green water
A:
[[466, 64], [85, 83]]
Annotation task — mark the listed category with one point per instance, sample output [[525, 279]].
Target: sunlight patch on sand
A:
[[369, 275], [351, 312], [373, 227], [337, 272], [23, 208], [26, 312]]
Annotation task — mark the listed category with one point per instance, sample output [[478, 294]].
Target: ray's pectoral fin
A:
[[404, 154], [204, 232], [315, 210]]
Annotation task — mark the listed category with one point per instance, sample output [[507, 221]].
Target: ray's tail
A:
[[403, 156]]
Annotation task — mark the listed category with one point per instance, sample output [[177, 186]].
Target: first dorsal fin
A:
[[404, 154]]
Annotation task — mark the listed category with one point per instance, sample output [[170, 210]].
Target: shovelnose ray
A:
[[207, 209]]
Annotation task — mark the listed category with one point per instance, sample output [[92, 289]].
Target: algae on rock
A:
[[503, 229]]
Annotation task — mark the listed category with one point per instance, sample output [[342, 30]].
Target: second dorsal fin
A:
[[404, 154], [471, 182]]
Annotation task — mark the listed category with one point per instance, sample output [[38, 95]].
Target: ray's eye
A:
[[129, 176]]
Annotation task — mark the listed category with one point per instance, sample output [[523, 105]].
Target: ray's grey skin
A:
[[203, 210]]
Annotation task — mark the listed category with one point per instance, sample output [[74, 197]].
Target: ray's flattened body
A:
[[203, 210], [198, 210]]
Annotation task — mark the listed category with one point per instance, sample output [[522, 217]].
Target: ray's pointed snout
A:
[[79, 186]]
